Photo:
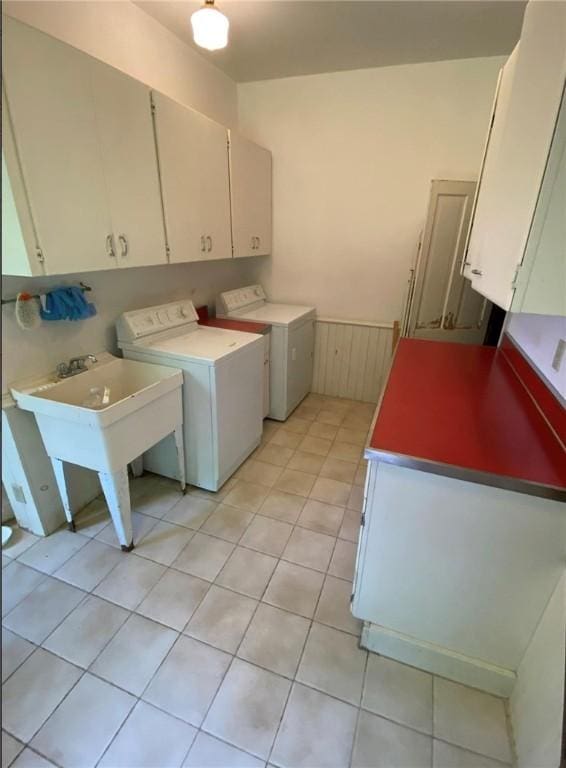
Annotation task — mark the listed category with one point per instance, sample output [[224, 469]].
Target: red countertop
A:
[[247, 326], [462, 411]]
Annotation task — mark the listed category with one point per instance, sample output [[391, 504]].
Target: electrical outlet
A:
[[293, 353], [559, 354]]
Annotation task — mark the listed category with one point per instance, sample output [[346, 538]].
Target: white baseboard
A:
[[438, 660]]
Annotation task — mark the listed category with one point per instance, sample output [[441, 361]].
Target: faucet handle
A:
[[80, 362], [62, 369]]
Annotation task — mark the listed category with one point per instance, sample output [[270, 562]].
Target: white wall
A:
[[124, 36], [28, 353], [537, 701], [353, 157], [538, 337]]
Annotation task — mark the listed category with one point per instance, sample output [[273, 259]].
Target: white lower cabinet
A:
[[250, 186], [439, 556], [516, 155], [193, 160]]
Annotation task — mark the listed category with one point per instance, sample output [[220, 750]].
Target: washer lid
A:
[[277, 314], [204, 344]]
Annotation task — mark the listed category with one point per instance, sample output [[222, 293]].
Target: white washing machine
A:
[[292, 343], [222, 388]]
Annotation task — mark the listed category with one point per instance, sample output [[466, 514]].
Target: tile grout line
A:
[[208, 644], [358, 714], [134, 612], [294, 680], [181, 633]]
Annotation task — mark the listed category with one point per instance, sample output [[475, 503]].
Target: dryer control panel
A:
[[143, 322], [232, 301]]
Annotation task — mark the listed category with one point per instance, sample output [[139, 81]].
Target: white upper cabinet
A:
[[193, 160], [52, 113], [517, 151], [485, 203], [125, 128], [250, 186], [19, 241], [84, 147], [101, 172], [541, 284]]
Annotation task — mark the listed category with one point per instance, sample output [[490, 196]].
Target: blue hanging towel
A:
[[66, 303]]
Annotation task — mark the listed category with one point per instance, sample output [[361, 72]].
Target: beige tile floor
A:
[[225, 638]]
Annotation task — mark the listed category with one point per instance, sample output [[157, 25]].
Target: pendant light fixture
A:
[[210, 27]]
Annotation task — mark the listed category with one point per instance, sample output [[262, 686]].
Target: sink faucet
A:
[[74, 366]]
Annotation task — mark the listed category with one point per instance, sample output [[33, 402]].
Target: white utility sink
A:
[[104, 418]]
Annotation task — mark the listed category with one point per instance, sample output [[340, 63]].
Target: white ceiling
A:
[[282, 38]]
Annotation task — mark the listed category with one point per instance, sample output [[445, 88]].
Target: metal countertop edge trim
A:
[[505, 482]]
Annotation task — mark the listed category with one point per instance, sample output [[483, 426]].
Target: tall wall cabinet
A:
[[194, 174], [84, 141], [517, 153], [100, 172], [250, 176]]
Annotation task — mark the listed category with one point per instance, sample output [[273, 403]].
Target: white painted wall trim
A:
[[364, 323], [351, 358], [438, 660]]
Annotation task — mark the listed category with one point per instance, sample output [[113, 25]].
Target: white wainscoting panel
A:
[[351, 358]]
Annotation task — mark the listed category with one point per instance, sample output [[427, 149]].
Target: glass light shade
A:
[[210, 28]]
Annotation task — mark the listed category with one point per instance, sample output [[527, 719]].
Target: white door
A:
[[193, 160], [125, 127], [444, 306], [49, 98], [531, 90], [250, 187]]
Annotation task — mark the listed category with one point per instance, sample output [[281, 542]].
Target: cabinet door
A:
[[125, 127], [484, 202], [250, 187], [19, 244], [513, 175], [193, 161], [50, 102], [541, 284]]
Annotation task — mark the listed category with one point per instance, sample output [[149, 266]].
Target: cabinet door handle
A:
[[123, 244], [110, 247], [252, 241], [202, 243], [476, 272], [209, 241], [258, 242]]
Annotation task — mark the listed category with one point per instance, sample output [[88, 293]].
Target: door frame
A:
[[418, 271]]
